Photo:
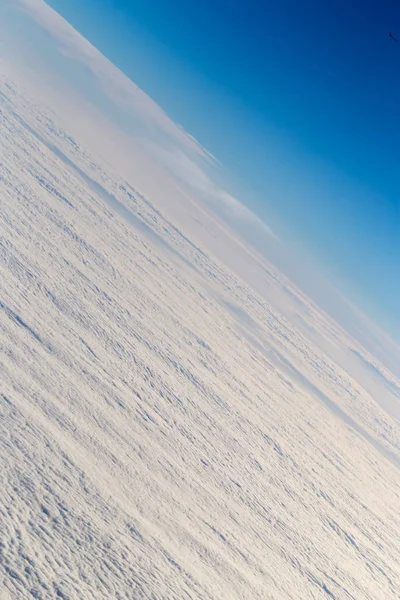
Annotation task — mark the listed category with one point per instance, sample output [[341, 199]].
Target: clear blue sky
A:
[[301, 100]]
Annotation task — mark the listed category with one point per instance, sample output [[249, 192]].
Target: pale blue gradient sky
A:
[[298, 100]]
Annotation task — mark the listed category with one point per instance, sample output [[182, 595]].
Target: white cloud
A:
[[140, 418]]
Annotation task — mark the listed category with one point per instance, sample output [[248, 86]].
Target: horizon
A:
[[329, 185], [275, 240]]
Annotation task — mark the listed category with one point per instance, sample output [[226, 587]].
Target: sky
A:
[[300, 100], [299, 103]]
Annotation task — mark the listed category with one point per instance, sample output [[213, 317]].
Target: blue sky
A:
[[298, 100]]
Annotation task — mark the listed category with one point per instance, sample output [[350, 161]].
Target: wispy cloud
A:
[[179, 151], [188, 171], [115, 83]]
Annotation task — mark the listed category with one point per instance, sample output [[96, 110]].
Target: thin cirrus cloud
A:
[[115, 83], [188, 171], [177, 150]]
